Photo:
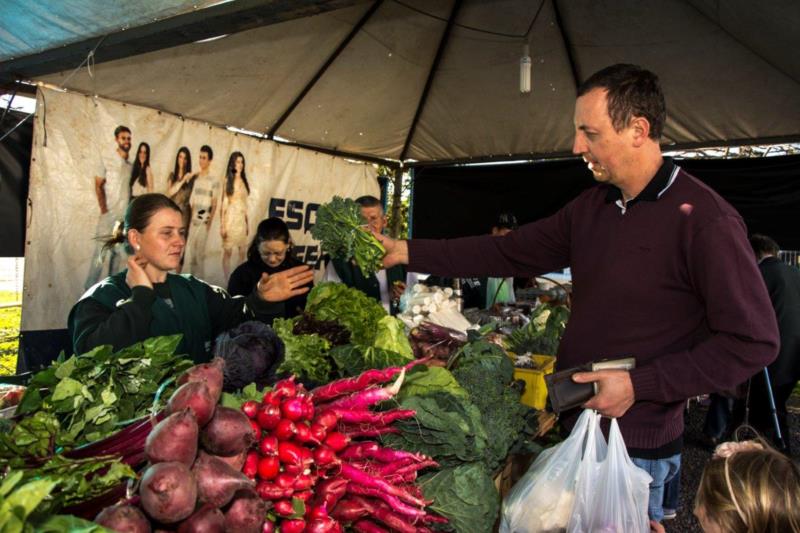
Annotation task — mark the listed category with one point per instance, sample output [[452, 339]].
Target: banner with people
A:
[[91, 156]]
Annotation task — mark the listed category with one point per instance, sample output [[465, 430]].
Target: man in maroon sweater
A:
[[661, 266]]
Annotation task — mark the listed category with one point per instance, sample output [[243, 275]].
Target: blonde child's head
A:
[[748, 487]]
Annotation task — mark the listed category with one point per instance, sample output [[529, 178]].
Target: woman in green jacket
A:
[[147, 300]]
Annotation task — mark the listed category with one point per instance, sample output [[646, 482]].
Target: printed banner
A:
[[92, 155]]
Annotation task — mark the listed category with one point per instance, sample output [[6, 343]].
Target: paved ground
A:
[[695, 456]]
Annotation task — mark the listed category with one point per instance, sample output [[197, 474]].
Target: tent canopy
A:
[[438, 81]]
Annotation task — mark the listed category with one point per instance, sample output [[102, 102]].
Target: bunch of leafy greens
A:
[[31, 437], [306, 355], [486, 373], [234, 400], [542, 334], [464, 494], [349, 307], [93, 394], [341, 232], [390, 348], [26, 506], [422, 380], [446, 428]]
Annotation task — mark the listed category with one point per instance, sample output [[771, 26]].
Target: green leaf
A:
[[422, 380], [73, 524], [162, 345], [349, 307], [65, 370], [231, 401], [465, 495], [392, 336], [31, 401], [27, 497], [299, 508], [108, 396], [66, 388], [306, 355], [9, 483], [352, 360]]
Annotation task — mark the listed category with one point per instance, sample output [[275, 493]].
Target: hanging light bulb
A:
[[525, 70]]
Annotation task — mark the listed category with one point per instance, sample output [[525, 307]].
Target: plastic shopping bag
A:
[[612, 494], [542, 500]]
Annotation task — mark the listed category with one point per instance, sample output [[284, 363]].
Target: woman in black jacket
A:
[[268, 253]]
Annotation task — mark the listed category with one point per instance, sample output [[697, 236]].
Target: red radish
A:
[[195, 396], [271, 398], [336, 441], [207, 519], [368, 526], [268, 527], [246, 513], [268, 445], [293, 526], [217, 481], [235, 461], [308, 408], [357, 431], [362, 478], [250, 468], [365, 398], [327, 419], [285, 481], [303, 432], [324, 525], [323, 456], [352, 508], [306, 456], [123, 518], [284, 508], [173, 439], [250, 408], [285, 430], [329, 492], [303, 482], [228, 433], [270, 491], [168, 492], [289, 453], [268, 416], [256, 427], [292, 408], [378, 419], [293, 470], [316, 512], [392, 501], [340, 387], [305, 495], [209, 373], [373, 450], [285, 388], [268, 467], [318, 433]]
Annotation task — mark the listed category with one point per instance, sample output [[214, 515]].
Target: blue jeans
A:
[[662, 471]]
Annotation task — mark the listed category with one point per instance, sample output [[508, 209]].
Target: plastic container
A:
[[535, 394]]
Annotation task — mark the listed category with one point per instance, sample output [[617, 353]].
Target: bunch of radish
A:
[[314, 447], [196, 452]]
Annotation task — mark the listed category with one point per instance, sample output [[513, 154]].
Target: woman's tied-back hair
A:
[[632, 92], [137, 216], [751, 489]]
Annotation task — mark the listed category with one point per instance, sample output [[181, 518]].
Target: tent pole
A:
[[397, 197], [310, 85], [567, 45], [431, 74]]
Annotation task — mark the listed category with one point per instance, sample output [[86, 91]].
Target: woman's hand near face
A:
[[281, 286], [136, 276]]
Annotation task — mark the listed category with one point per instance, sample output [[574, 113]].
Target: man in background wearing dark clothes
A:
[[661, 267], [783, 286]]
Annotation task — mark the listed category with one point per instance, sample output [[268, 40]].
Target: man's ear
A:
[[640, 127]]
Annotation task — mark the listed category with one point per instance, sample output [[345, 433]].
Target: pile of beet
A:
[[315, 447], [193, 482]]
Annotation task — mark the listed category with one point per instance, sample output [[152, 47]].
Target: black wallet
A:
[[565, 394]]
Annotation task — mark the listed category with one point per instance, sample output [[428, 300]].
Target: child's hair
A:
[[751, 488]]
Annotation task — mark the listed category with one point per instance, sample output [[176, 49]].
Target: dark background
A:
[[15, 162], [458, 201]]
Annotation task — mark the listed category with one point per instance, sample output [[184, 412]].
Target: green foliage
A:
[[543, 333], [236, 399], [306, 355], [94, 393], [352, 359], [32, 436], [351, 308], [391, 335], [422, 380], [465, 495], [446, 427], [339, 228], [9, 334]]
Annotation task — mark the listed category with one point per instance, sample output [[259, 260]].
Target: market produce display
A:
[[343, 234]]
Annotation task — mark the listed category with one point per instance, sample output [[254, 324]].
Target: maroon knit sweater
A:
[[671, 281]]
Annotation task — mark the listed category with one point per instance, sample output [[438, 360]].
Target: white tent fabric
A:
[[730, 71]]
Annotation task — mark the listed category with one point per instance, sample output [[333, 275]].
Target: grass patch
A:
[[9, 332]]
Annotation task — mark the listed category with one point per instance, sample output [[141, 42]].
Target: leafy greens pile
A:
[[93, 394], [340, 230], [542, 334]]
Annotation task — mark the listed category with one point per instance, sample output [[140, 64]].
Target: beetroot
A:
[[196, 396], [209, 373], [217, 481], [207, 519], [173, 439], [123, 519], [168, 492], [246, 514], [228, 433], [235, 461]]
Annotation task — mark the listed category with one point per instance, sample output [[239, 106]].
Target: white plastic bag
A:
[[612, 493], [542, 500]]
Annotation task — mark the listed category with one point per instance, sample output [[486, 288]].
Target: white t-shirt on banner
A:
[[117, 173]]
